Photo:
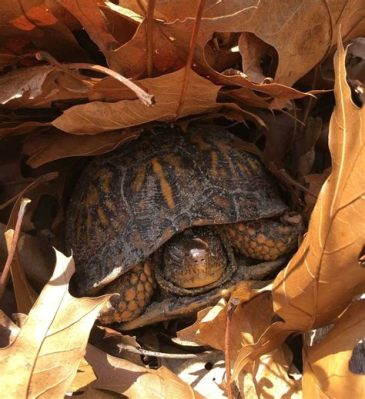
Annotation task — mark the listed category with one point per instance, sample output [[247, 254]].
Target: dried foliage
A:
[[81, 78]]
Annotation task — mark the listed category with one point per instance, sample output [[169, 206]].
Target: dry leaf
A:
[[209, 329], [309, 25], [119, 375], [205, 374], [252, 50], [16, 128], [30, 25], [47, 351], [35, 256], [84, 376], [98, 116], [8, 330], [51, 145], [40, 86], [325, 274], [131, 60], [92, 20], [328, 369], [25, 83], [315, 181], [264, 377], [172, 42], [169, 11]]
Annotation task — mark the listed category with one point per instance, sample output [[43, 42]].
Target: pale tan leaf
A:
[[315, 181], [325, 274], [309, 292], [84, 376], [99, 117], [263, 377], [8, 330], [44, 358], [334, 367], [123, 377]]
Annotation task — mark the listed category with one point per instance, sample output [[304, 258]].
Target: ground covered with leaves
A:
[[80, 78]]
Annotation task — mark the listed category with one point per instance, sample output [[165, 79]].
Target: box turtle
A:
[[172, 221]]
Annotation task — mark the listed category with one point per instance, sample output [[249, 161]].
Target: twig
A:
[[232, 304], [44, 56], [309, 106], [149, 36], [293, 182], [139, 351], [5, 273], [146, 99], [189, 60]]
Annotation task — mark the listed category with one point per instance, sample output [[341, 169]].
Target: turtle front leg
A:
[[266, 239], [135, 289]]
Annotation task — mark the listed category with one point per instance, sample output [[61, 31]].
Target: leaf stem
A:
[[232, 304], [189, 60], [145, 352], [149, 36], [5, 273], [146, 98]]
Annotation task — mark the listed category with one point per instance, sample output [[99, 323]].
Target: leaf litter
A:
[[260, 69]]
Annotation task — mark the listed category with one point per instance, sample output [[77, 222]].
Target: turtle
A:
[[172, 221]]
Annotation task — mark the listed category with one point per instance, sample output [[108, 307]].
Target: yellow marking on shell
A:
[[102, 217], [224, 151], [214, 158], [200, 142], [222, 202], [174, 160], [92, 197], [245, 171], [139, 180], [255, 165], [165, 186], [105, 177], [110, 205]]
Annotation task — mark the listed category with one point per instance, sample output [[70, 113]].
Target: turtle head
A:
[[194, 258]]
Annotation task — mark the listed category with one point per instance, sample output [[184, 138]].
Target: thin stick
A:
[[232, 304], [140, 351], [189, 60], [5, 273], [310, 100], [284, 173], [146, 99], [149, 36]]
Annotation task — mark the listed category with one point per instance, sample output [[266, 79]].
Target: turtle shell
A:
[[128, 203]]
